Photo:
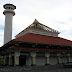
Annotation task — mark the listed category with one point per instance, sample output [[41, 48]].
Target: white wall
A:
[[53, 60], [40, 60], [28, 60], [8, 27], [64, 60]]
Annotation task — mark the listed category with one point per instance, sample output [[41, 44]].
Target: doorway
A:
[[12, 60], [22, 60]]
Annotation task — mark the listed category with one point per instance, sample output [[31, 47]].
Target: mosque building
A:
[[37, 45]]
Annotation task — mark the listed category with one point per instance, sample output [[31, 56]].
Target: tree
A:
[[1, 60]]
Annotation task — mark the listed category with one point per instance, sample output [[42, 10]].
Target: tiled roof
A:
[[42, 39]]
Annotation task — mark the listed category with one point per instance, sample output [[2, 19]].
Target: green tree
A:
[[1, 60]]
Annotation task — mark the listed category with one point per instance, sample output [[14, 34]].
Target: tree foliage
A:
[[1, 60]]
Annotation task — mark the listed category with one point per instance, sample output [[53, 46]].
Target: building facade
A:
[[36, 45]]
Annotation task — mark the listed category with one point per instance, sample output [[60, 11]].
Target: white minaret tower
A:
[[9, 13]]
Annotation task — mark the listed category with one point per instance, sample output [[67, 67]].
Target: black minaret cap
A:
[[9, 5]]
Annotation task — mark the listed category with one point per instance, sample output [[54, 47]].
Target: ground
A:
[[34, 69]]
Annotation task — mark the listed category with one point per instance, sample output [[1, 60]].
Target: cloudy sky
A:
[[56, 14]]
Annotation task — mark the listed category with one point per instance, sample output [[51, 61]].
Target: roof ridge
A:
[[35, 21]]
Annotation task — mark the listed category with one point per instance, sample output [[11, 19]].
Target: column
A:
[[33, 54], [16, 58], [10, 59], [47, 55], [59, 59], [4, 60], [68, 58]]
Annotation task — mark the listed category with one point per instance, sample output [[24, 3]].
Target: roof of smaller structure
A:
[[42, 39], [37, 25]]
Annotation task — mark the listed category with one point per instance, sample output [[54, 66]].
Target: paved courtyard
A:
[[35, 69]]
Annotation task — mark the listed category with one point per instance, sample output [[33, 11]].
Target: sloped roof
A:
[[42, 39], [37, 25]]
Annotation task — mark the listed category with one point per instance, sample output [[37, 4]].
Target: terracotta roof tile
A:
[[42, 39]]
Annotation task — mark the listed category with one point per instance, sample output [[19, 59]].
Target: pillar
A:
[[59, 59], [47, 55], [33, 55], [68, 57], [4, 60], [16, 58], [10, 59]]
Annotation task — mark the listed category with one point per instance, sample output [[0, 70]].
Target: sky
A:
[[56, 14]]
